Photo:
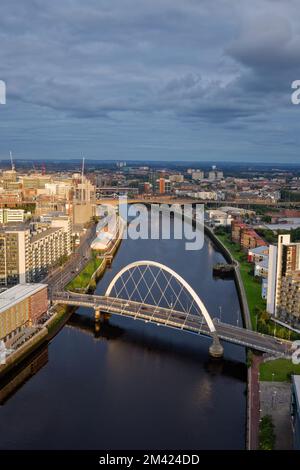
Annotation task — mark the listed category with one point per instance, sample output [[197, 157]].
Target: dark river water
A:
[[133, 385]]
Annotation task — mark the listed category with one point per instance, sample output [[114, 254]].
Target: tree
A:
[[267, 219], [266, 433]]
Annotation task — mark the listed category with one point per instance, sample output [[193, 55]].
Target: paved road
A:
[[61, 276], [275, 400], [175, 319], [253, 403]]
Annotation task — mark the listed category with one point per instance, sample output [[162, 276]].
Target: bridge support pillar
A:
[[97, 314], [216, 349]]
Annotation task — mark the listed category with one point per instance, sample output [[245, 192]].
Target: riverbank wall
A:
[[16, 357], [237, 276], [252, 423]]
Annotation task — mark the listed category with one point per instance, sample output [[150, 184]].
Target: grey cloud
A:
[[229, 63]]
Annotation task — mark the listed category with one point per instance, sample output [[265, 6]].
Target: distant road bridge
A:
[[186, 200], [154, 293]]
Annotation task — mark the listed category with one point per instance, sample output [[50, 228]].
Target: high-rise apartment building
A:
[[14, 255], [215, 175], [164, 185], [27, 256], [198, 175], [283, 297], [84, 190]]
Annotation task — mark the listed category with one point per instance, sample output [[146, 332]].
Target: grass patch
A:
[[260, 319], [82, 280], [266, 433], [281, 368], [251, 285]]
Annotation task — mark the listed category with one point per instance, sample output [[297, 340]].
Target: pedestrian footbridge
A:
[[154, 293]]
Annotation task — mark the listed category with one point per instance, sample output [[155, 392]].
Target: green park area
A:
[[83, 279], [279, 370], [252, 286], [260, 319]]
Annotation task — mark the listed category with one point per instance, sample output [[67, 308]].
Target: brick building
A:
[[20, 306]]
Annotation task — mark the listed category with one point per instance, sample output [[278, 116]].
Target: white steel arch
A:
[[173, 273]]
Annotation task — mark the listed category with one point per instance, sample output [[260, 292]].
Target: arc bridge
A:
[[152, 292]]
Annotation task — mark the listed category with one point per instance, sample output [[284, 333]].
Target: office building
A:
[[9, 175], [21, 306], [219, 218], [8, 216], [176, 178], [35, 181]]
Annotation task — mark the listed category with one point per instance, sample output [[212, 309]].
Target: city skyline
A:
[[92, 247], [149, 230], [153, 81]]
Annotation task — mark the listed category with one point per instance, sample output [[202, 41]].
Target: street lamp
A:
[[274, 398]]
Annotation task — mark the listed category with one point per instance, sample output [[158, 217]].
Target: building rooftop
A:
[[285, 226], [44, 233], [259, 250], [19, 227], [236, 210], [16, 294]]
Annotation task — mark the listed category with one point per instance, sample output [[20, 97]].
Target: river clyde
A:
[[134, 384]]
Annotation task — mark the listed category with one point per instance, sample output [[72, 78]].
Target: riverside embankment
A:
[[253, 398], [59, 315], [237, 275], [125, 376]]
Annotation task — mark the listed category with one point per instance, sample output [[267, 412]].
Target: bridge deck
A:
[[175, 319]]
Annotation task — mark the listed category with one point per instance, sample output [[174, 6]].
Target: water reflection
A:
[[14, 380], [106, 330], [126, 384]]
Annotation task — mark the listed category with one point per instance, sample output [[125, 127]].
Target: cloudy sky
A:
[[150, 79]]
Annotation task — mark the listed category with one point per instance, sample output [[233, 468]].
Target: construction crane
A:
[[11, 161], [82, 175], [82, 169]]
